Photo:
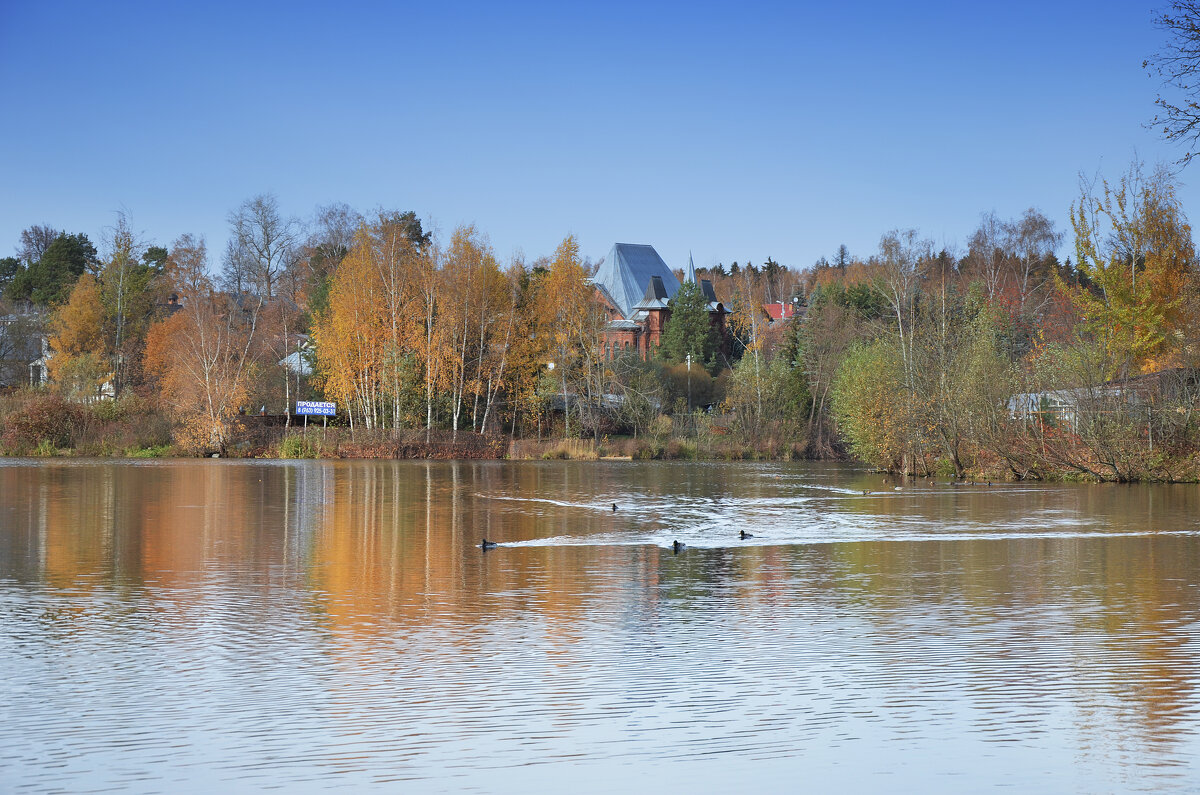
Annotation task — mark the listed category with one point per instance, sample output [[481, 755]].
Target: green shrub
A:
[[661, 426], [45, 449], [157, 451], [867, 405], [107, 410], [295, 445], [944, 468]]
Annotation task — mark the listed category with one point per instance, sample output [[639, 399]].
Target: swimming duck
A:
[[486, 545], [614, 507], [744, 535], [676, 546]]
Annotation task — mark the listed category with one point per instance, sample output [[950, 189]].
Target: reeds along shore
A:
[[43, 424]]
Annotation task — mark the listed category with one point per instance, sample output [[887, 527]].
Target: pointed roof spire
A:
[[690, 276]]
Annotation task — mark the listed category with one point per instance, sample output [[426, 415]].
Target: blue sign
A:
[[316, 408]]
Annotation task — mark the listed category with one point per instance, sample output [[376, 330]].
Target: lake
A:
[[190, 625]]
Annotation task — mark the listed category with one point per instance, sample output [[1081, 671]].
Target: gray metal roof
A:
[[604, 292], [710, 295], [626, 271], [655, 297]]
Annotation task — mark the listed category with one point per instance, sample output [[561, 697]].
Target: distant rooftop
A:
[[626, 273], [781, 311], [655, 297]]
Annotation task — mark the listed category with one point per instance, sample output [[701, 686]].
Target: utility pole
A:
[[689, 366]]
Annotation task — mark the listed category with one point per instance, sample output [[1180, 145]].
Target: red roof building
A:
[[781, 311]]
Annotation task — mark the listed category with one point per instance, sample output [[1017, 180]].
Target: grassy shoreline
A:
[[47, 426], [339, 444]]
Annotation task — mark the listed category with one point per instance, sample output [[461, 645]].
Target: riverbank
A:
[[117, 441], [45, 425]]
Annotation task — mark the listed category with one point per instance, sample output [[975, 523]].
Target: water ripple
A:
[[357, 638]]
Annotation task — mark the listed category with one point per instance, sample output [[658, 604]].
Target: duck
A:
[[486, 545], [744, 535], [614, 507], [676, 546]]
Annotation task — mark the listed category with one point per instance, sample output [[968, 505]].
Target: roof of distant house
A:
[[655, 297], [626, 273], [781, 311]]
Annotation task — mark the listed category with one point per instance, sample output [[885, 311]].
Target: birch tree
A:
[[265, 241], [203, 356]]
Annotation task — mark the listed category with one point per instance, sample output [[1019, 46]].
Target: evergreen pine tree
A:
[[689, 329]]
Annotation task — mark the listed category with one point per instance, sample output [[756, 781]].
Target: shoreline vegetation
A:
[[996, 362], [38, 423]]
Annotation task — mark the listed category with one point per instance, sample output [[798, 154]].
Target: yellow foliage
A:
[[1134, 245], [77, 342]]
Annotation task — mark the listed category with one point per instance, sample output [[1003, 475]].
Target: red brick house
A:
[[634, 286]]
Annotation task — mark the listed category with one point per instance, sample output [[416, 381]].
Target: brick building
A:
[[635, 286]]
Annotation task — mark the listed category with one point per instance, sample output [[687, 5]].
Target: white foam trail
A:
[[560, 503], [688, 536]]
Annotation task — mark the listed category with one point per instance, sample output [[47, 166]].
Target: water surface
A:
[[171, 626]]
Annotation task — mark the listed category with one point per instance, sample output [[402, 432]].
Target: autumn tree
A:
[[767, 397], [1134, 245], [1033, 241], [374, 331], [499, 326], [529, 348], [474, 311], [827, 330], [571, 323], [351, 335], [185, 270], [125, 281], [203, 356], [80, 364], [961, 378], [868, 414], [401, 267], [236, 268]]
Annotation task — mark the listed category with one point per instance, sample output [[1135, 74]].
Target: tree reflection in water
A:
[[336, 622]]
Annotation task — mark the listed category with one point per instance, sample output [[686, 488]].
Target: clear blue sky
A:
[[733, 130]]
